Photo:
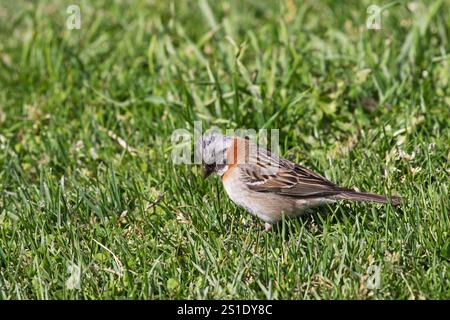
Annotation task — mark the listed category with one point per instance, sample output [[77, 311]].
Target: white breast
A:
[[266, 206]]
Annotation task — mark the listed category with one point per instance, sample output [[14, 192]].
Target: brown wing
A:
[[269, 173]]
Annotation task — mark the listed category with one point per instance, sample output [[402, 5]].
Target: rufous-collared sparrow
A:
[[267, 185]]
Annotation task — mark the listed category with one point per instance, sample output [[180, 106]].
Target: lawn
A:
[[92, 206]]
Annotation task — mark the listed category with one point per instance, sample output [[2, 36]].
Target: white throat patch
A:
[[222, 171]]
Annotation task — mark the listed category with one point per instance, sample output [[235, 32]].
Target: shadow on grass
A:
[[314, 219]]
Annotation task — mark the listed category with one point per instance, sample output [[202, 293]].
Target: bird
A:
[[267, 185]]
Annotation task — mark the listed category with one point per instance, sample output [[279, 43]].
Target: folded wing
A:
[[269, 173]]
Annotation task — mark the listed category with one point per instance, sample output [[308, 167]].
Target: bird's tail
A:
[[369, 197]]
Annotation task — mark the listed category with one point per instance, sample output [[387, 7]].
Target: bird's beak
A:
[[207, 170]]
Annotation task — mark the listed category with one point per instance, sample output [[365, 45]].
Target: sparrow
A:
[[269, 186]]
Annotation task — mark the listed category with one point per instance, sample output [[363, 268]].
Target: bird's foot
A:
[[267, 227]]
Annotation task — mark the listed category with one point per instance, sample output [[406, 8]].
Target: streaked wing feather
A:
[[285, 178]]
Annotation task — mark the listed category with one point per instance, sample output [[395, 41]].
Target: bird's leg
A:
[[267, 227]]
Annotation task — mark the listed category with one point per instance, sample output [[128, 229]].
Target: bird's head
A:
[[212, 150]]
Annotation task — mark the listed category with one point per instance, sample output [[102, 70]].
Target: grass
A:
[[87, 183]]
